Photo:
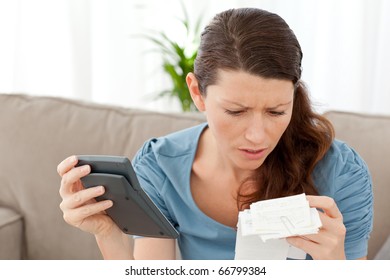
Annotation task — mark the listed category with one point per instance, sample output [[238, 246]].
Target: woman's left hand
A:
[[328, 243]]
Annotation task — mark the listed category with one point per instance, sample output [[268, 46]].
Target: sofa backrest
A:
[[369, 135], [36, 133]]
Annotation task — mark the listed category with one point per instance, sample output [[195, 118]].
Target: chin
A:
[[250, 165]]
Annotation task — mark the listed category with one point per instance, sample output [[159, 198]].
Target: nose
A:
[[256, 132]]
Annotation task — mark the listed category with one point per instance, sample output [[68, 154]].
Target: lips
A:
[[253, 151], [253, 154]]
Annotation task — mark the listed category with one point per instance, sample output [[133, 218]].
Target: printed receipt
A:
[[262, 229]]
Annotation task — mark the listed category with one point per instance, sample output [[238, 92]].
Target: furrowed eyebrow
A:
[[280, 105], [235, 103], [246, 107]]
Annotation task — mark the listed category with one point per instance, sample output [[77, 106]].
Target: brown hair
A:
[[261, 43]]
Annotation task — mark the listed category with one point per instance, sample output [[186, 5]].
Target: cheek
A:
[[224, 128], [278, 128], [218, 124]]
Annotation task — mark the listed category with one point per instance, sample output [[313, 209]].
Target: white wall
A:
[[89, 49]]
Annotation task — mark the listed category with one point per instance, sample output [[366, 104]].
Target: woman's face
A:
[[247, 115]]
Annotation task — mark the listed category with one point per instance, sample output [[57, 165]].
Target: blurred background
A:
[[97, 50]]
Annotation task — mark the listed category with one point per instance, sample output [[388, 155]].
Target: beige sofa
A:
[[36, 133]]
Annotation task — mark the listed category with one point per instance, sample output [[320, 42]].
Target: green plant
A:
[[178, 60]]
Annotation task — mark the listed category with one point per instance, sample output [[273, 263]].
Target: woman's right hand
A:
[[79, 207]]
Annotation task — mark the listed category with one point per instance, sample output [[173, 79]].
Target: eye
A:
[[277, 113], [234, 113]]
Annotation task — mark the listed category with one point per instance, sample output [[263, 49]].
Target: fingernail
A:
[[108, 203], [85, 168], [73, 159]]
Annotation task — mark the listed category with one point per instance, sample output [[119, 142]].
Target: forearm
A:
[[115, 247]]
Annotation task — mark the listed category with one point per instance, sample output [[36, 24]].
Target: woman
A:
[[262, 140]]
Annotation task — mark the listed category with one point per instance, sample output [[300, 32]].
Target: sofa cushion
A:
[[369, 135], [11, 234]]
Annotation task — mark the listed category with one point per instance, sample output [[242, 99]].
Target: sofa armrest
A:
[[11, 234]]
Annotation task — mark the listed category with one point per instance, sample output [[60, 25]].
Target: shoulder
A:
[[162, 153], [343, 175], [337, 166], [161, 165], [172, 145], [340, 152]]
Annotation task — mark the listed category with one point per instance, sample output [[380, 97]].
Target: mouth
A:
[[253, 154], [252, 151]]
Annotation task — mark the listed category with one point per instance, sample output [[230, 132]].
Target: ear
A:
[[196, 95]]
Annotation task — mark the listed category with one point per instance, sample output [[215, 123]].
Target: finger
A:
[[66, 165], [331, 228], [70, 181], [301, 242], [324, 245], [326, 221], [325, 203], [81, 197], [317, 238], [76, 216]]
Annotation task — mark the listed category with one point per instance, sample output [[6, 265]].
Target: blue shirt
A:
[[163, 167]]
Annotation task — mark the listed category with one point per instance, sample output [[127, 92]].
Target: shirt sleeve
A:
[[150, 176], [354, 197]]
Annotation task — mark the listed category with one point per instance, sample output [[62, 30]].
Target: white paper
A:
[[296, 253], [252, 247], [262, 229], [279, 218], [268, 215]]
